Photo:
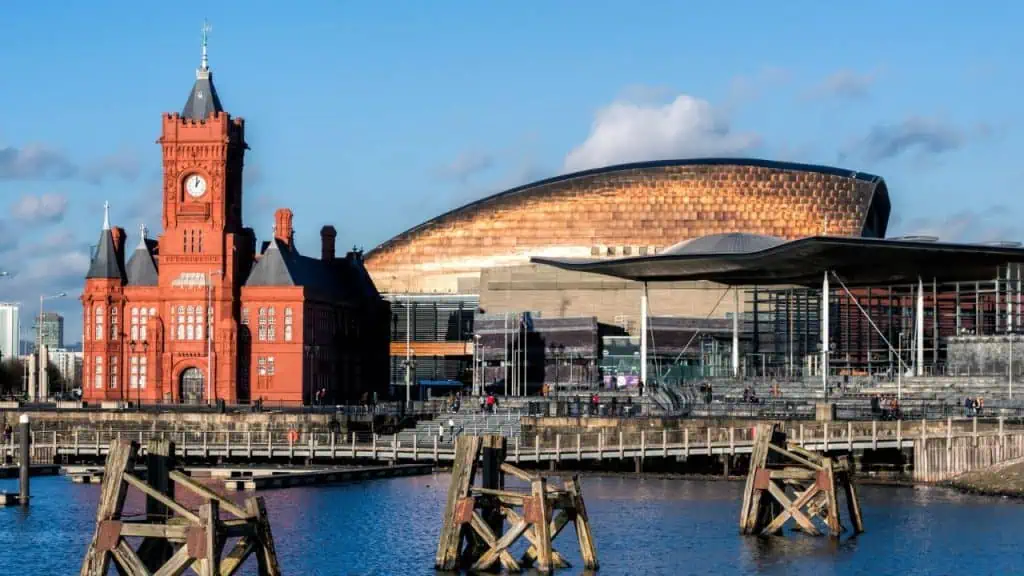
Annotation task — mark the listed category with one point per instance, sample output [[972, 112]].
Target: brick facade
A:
[[185, 322], [629, 210]]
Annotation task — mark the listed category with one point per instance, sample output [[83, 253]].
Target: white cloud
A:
[[844, 84], [44, 208], [466, 164], [686, 127], [915, 135]]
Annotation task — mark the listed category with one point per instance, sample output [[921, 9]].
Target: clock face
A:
[[195, 185]]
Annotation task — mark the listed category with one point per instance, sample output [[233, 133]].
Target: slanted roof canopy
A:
[[858, 261]]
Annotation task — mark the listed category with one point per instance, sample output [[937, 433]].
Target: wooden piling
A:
[[24, 459], [787, 482], [190, 539], [160, 461], [470, 540]]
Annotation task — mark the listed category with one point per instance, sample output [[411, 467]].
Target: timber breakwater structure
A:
[[794, 474]]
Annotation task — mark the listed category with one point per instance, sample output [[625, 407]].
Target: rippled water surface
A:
[[642, 526]]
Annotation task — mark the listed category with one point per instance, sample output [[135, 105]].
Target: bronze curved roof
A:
[[878, 213], [858, 261]]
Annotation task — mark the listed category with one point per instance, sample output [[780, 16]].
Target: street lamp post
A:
[[477, 363], [39, 339], [209, 333]]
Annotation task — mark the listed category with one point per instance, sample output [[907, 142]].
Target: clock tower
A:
[[204, 252]]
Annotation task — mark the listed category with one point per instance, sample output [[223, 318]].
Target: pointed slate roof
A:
[[272, 268], [343, 279], [141, 270], [104, 264], [202, 100]]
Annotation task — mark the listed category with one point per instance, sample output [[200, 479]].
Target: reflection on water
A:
[[642, 526]]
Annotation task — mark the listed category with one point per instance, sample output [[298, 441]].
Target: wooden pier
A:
[[473, 536], [973, 443], [324, 477], [11, 471]]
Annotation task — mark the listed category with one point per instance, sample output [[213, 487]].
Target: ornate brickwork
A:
[[630, 210], [198, 316]]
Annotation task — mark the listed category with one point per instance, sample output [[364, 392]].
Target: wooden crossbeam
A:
[[481, 527], [128, 561], [177, 565], [791, 509], [558, 523], [795, 457], [237, 556], [179, 509], [489, 557], [520, 474], [206, 493]]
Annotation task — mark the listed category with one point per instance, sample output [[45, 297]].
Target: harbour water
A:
[[641, 525]]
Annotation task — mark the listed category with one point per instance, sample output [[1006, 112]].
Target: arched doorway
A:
[[191, 386]]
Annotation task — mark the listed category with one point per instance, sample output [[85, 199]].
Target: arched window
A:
[[181, 331], [113, 323], [133, 378], [99, 323], [143, 317], [113, 372], [190, 323], [271, 332], [135, 323], [287, 324], [263, 324]]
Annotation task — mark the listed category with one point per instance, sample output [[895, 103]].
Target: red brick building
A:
[[200, 315]]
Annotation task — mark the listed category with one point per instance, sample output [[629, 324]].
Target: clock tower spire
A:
[[203, 100]]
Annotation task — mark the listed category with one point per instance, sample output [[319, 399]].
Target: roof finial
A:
[[106, 215], [204, 64], [142, 235]]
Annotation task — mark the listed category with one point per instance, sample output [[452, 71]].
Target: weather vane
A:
[[206, 30]]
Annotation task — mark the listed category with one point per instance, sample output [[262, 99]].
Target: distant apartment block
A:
[[10, 328], [50, 330]]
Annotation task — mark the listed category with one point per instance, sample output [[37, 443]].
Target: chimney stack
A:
[[118, 235], [327, 236], [283, 226]]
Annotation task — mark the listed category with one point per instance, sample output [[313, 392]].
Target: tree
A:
[[54, 379], [12, 375]]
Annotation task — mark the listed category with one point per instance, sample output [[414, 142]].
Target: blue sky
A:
[[374, 116]]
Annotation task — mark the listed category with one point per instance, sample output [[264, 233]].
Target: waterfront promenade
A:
[[997, 438]]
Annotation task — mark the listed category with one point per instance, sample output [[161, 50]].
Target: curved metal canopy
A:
[[858, 261]]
